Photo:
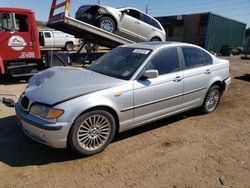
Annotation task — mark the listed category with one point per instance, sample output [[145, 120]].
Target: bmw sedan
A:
[[130, 86], [127, 22]]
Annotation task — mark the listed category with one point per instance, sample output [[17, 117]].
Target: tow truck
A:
[[20, 53]]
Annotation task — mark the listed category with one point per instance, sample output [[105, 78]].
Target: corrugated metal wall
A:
[[222, 31]]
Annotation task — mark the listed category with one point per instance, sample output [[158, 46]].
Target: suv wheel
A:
[[107, 24], [212, 99], [92, 132], [155, 39]]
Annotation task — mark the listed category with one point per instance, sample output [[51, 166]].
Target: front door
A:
[[154, 98], [17, 37]]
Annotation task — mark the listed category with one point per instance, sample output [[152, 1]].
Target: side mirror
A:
[[149, 74], [125, 11]]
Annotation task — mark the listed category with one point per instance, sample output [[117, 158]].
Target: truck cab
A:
[[19, 42]]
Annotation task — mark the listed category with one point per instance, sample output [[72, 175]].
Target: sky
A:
[[235, 9]]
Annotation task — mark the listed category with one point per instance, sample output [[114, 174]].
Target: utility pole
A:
[[98, 2], [146, 9]]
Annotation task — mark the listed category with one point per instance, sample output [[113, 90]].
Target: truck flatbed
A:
[[79, 29]]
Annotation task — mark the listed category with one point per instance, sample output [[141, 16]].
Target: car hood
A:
[[58, 84]]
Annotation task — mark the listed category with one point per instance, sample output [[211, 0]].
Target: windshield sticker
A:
[[141, 51], [126, 73]]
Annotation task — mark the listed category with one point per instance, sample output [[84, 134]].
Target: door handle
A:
[[153, 29], [177, 79], [207, 71], [137, 22]]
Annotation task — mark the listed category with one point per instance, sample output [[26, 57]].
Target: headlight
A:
[[45, 111]]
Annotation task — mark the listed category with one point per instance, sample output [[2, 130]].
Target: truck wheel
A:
[[212, 99], [69, 46], [92, 132], [107, 24]]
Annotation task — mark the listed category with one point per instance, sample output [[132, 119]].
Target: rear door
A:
[[197, 74], [146, 27], [162, 95]]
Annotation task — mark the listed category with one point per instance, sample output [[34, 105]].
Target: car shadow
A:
[[157, 124], [17, 150], [8, 80], [245, 77]]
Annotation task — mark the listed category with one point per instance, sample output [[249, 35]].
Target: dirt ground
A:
[[187, 150]]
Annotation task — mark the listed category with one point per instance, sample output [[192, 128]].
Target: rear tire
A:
[[92, 132], [155, 39], [107, 24], [212, 99], [69, 46]]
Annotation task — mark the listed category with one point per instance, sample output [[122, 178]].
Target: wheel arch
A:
[[104, 108], [156, 37], [221, 85]]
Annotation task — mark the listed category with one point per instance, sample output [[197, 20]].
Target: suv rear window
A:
[[146, 19], [155, 24]]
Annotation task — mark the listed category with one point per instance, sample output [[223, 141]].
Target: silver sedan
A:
[[130, 86]]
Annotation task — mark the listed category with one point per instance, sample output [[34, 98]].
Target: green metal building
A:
[[208, 30]]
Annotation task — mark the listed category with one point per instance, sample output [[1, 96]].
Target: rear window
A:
[[146, 19], [156, 24], [207, 59], [193, 57]]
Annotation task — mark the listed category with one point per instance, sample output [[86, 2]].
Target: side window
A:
[[146, 19], [193, 57], [6, 23], [207, 59], [21, 23], [133, 13], [165, 61], [47, 35]]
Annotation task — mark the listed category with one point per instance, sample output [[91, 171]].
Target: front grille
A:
[[25, 103]]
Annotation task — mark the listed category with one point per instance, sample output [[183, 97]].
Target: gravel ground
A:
[[187, 150]]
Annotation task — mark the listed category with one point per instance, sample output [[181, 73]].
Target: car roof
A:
[[157, 45]]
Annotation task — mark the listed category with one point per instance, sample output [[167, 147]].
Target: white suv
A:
[[127, 22]]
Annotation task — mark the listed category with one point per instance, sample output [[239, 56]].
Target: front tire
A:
[[107, 24], [212, 99], [92, 132]]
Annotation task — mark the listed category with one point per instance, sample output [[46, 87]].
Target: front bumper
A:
[[49, 133]]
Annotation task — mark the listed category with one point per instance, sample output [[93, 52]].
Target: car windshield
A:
[[121, 62]]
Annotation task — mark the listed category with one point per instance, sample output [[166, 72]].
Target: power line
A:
[[197, 7]]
